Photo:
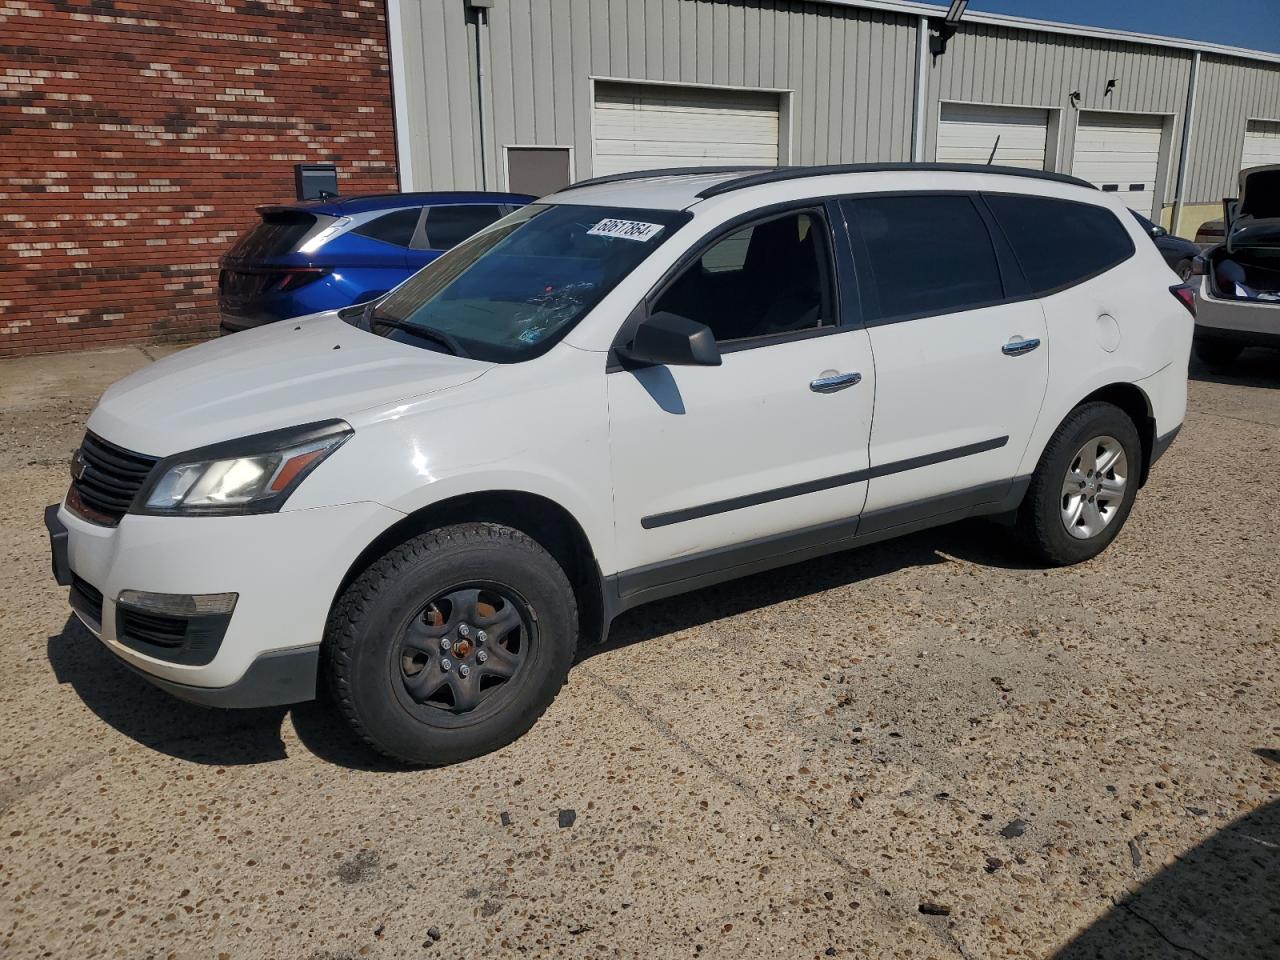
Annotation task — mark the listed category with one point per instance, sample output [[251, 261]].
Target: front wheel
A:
[[452, 644], [1084, 486]]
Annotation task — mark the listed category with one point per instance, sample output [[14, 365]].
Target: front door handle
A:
[[837, 382], [1016, 348]]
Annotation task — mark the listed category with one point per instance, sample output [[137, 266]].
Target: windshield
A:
[[511, 291]]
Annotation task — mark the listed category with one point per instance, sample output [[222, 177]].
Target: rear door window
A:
[[396, 227], [447, 226], [1060, 243], [922, 255]]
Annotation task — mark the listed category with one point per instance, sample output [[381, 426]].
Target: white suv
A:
[[636, 387]]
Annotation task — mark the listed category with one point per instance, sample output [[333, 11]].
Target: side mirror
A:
[[668, 339], [1199, 267]]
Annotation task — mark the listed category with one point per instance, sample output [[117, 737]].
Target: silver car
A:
[[1239, 298]]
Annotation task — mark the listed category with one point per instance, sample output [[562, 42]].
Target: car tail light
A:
[[293, 279], [1186, 295]]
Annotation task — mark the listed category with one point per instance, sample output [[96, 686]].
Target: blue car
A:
[[324, 254]]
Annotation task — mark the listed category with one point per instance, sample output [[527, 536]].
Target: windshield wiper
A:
[[447, 340]]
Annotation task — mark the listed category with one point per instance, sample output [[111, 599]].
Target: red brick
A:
[[221, 161]]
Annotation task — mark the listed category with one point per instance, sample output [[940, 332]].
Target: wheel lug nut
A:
[[463, 670], [446, 644], [481, 636], [446, 664], [481, 657], [464, 631]]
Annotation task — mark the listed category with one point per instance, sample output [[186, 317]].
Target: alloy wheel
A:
[[1093, 489]]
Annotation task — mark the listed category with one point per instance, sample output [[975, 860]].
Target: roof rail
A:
[[777, 174], [667, 172]]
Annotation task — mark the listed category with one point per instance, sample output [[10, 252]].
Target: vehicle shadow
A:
[[129, 704], [975, 541], [158, 721], [1221, 901], [1255, 367]]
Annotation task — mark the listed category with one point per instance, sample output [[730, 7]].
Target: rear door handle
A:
[[1016, 348], [837, 382]]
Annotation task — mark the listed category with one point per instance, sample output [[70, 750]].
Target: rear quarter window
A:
[[448, 226], [396, 227], [1060, 243]]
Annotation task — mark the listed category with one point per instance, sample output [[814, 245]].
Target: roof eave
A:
[[913, 8]]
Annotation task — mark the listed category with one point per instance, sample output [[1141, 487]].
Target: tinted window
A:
[[448, 226], [766, 279], [277, 234], [396, 227], [922, 255], [1060, 242]]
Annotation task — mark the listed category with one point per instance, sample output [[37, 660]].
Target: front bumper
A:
[[273, 679], [286, 568]]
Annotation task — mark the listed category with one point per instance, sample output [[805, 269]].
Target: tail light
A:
[[293, 279], [1186, 295]]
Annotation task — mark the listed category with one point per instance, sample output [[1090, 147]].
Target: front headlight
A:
[[253, 475]]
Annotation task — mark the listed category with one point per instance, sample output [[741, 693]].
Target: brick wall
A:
[[136, 137]]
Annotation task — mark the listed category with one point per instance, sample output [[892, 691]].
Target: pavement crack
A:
[[787, 822], [1129, 909]]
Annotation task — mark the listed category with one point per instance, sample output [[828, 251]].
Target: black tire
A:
[[370, 666], [1040, 523], [1218, 354]]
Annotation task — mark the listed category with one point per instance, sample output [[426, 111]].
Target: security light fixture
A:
[[1111, 85], [940, 31], [1074, 97]]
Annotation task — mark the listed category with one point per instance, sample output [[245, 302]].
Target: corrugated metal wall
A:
[[1020, 67], [1231, 93], [850, 70], [850, 73]]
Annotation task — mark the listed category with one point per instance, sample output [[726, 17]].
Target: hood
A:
[[282, 375]]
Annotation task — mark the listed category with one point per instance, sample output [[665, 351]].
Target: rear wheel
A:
[[453, 644], [1217, 353], [1084, 486]]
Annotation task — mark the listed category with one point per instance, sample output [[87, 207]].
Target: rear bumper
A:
[[1251, 338], [1253, 322], [1162, 444], [235, 322]]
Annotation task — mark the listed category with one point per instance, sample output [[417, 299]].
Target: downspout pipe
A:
[[920, 106], [1175, 221], [482, 47], [399, 96]]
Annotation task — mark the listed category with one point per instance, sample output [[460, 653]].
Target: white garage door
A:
[[1261, 143], [638, 127], [968, 133], [1120, 152]]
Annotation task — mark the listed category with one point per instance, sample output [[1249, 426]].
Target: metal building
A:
[[531, 94]]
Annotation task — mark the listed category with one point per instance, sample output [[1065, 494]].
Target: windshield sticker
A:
[[626, 230]]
